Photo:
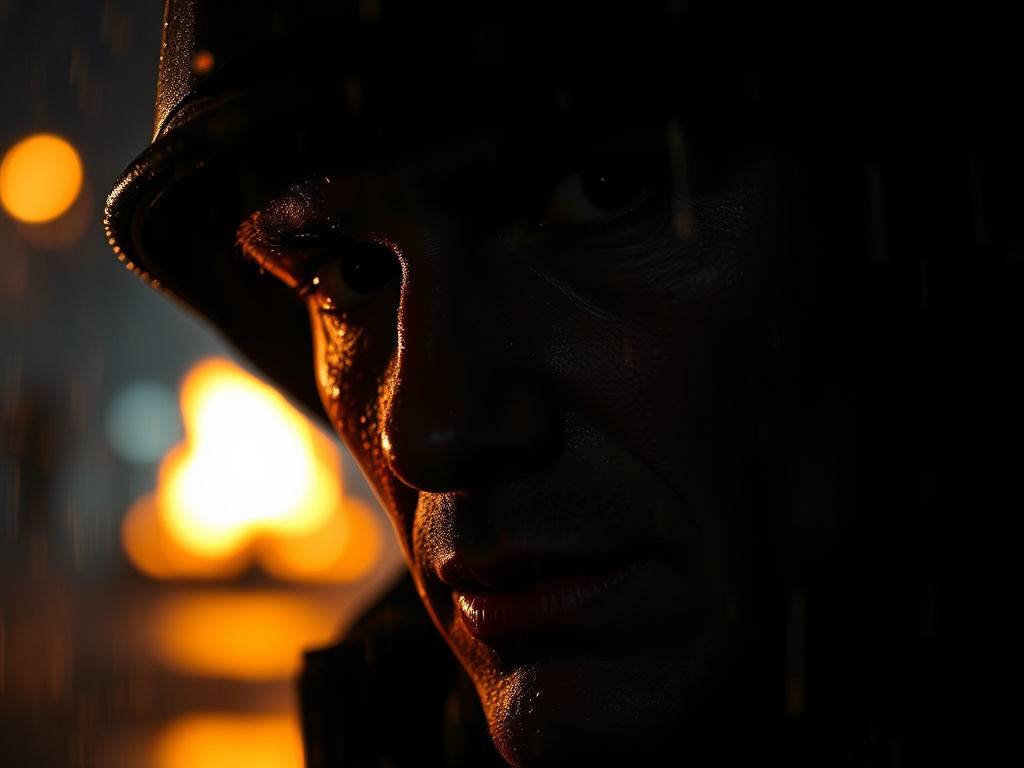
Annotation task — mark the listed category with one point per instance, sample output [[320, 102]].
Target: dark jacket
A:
[[392, 694]]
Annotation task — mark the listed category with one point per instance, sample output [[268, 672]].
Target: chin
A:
[[593, 711]]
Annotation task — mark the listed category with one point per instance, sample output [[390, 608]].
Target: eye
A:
[[350, 273], [602, 191]]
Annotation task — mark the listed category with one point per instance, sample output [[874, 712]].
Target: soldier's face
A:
[[556, 356]]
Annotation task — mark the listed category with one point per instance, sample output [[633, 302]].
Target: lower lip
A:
[[552, 602]]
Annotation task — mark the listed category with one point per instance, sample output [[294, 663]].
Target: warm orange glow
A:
[[40, 178], [202, 62], [253, 477], [210, 740], [247, 636], [345, 549], [249, 463], [152, 549]]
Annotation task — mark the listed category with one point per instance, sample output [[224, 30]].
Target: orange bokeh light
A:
[[40, 178], [214, 740], [202, 62], [240, 636], [252, 478]]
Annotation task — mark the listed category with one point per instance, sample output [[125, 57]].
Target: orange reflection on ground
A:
[[40, 178], [211, 740], [253, 479], [239, 636]]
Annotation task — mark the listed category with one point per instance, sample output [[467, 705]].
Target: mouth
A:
[[561, 599]]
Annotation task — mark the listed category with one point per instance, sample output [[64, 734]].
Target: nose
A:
[[465, 401]]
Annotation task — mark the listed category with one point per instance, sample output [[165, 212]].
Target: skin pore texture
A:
[[557, 361]]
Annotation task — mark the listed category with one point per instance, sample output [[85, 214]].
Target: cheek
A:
[[352, 364], [334, 346], [337, 345]]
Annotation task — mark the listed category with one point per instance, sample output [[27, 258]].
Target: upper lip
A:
[[527, 533], [518, 568]]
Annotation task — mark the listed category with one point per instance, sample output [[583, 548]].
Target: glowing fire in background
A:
[[253, 481]]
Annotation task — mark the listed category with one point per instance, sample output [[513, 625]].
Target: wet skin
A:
[[552, 356]]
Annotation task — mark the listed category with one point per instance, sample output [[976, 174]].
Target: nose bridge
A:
[[439, 297], [465, 401]]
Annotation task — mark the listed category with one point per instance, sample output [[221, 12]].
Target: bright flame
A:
[[248, 636], [249, 464], [40, 178], [210, 740], [253, 476]]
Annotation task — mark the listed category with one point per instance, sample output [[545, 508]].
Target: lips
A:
[[560, 599], [501, 570]]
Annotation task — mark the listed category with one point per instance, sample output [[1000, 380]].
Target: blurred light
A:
[[253, 478], [250, 463], [210, 740], [142, 422], [344, 550], [240, 636], [40, 178], [153, 551], [202, 62]]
